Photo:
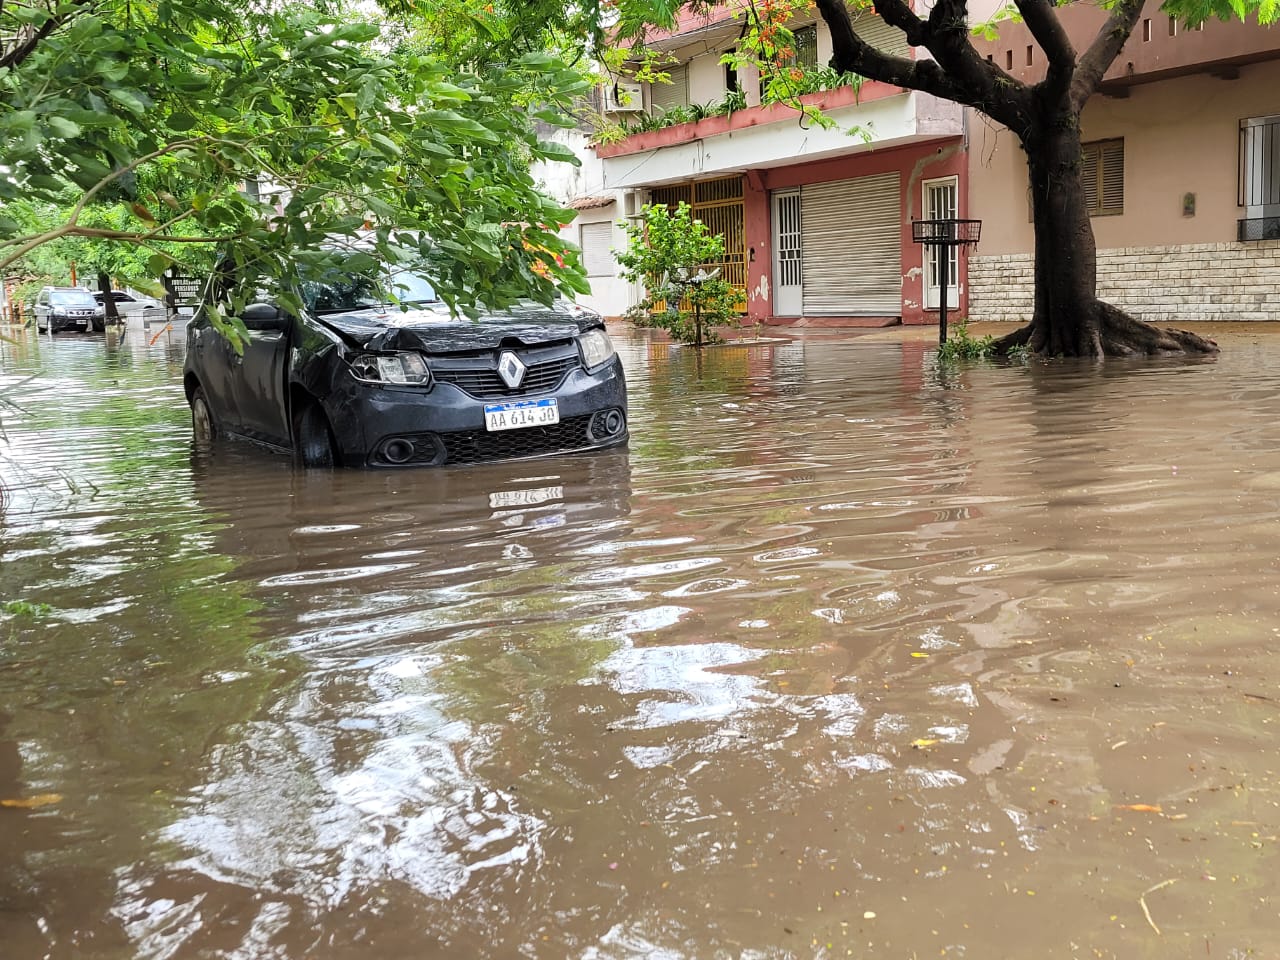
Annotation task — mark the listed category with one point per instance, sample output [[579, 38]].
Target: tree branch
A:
[[1047, 30], [897, 13], [958, 74], [853, 55], [27, 244], [18, 54], [1105, 48]]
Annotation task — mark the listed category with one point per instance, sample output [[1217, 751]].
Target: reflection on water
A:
[[845, 656]]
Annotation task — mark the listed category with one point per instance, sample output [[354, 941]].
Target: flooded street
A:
[[844, 656]]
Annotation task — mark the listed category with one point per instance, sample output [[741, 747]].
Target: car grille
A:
[[476, 446], [486, 384], [479, 446]]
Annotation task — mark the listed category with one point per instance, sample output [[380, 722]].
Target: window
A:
[[1259, 189], [596, 240], [1260, 165], [806, 44], [1102, 173], [730, 74]]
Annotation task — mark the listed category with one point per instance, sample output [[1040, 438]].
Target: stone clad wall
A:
[[1192, 283]]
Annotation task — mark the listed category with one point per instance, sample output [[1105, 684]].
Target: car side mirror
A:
[[264, 316]]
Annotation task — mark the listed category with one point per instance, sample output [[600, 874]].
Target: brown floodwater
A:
[[845, 656]]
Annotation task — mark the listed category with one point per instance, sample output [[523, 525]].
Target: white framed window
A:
[[1260, 166], [596, 240]]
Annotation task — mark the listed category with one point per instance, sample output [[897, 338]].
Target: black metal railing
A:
[[1258, 228], [946, 232]]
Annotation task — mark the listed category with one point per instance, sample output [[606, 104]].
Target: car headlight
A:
[[398, 368], [596, 348]]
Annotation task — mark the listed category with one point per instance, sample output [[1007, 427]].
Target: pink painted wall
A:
[[915, 164]]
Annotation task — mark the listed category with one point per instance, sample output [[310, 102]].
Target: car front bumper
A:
[[58, 324], [401, 426]]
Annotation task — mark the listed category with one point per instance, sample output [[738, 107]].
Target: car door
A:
[[260, 386], [217, 365]]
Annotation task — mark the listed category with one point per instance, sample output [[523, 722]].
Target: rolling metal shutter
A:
[[871, 29], [664, 96], [597, 252], [853, 247]]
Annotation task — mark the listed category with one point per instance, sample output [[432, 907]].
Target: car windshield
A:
[[72, 298], [338, 294]]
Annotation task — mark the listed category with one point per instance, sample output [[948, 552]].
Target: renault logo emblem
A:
[[511, 369]]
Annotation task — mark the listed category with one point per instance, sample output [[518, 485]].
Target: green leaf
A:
[[128, 99], [389, 147], [62, 127]]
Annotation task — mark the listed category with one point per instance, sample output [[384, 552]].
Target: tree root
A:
[[1102, 330]]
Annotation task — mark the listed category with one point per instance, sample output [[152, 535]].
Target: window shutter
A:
[[1102, 176], [597, 252], [1112, 177], [875, 32], [664, 96], [1089, 176]]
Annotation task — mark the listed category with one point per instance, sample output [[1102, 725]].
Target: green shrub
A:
[[671, 253], [24, 608], [961, 345]]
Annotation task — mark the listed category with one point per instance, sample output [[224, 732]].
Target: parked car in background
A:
[[130, 305], [355, 379], [66, 308]]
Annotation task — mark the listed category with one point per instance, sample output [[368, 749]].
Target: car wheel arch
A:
[[310, 425], [204, 424]]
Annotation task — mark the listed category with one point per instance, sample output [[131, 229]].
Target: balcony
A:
[[776, 135]]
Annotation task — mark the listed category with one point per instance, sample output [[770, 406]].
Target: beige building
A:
[[1182, 164]]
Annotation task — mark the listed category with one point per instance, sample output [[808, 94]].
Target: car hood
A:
[[433, 330]]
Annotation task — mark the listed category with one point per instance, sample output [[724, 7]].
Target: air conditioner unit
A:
[[624, 97]]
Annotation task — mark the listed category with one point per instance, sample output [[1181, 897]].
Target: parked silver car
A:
[[131, 305]]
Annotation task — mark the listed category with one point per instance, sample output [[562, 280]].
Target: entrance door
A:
[[940, 204], [788, 263]]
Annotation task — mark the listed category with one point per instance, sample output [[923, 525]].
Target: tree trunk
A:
[[108, 302], [1068, 319]]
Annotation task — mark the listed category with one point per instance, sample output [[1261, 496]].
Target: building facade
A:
[[816, 220], [1181, 163]]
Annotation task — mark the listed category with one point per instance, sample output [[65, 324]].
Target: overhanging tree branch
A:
[[1047, 30], [973, 82], [1105, 48], [25, 47]]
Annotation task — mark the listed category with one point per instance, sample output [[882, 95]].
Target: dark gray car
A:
[[354, 379], [67, 308]]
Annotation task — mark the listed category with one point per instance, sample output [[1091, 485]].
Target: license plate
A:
[[521, 413], [525, 498]]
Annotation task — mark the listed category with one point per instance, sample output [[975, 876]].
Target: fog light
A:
[[397, 450], [607, 423]]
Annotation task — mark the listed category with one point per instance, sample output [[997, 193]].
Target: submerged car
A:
[[67, 308], [356, 379]]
